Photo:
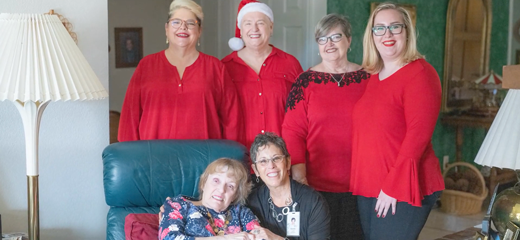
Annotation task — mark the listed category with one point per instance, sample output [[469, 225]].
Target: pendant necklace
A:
[[339, 82]]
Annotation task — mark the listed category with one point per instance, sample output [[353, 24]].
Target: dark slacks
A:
[[344, 216], [406, 224]]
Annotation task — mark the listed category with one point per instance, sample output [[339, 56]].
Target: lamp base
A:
[[33, 207]]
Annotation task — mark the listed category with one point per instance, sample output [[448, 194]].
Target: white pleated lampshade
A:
[[39, 61], [501, 147]]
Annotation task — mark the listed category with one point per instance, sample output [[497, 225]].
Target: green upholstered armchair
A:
[[139, 175]]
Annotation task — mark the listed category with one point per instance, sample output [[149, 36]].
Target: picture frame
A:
[[412, 9], [512, 231], [517, 61], [128, 46]]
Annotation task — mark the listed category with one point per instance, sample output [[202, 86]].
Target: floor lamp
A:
[[40, 63]]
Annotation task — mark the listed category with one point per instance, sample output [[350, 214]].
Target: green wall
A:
[[431, 22]]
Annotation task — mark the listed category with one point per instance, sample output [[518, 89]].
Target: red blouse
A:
[[160, 105], [318, 126], [263, 95], [393, 126]]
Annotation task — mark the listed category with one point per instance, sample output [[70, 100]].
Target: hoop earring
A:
[[318, 53], [167, 41], [349, 49], [198, 43], [257, 180]]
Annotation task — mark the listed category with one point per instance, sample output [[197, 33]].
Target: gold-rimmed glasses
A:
[[177, 23]]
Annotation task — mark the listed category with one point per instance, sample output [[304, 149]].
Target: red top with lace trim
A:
[[318, 126], [393, 127]]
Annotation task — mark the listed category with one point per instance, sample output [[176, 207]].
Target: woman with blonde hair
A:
[[219, 213], [181, 93], [395, 172]]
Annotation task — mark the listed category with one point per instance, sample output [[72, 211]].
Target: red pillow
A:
[[141, 226]]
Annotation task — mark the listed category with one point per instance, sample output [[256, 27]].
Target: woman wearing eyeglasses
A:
[[394, 169], [318, 124], [181, 93], [263, 74], [281, 199]]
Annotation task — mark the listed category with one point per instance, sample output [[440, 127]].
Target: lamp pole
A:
[[31, 113]]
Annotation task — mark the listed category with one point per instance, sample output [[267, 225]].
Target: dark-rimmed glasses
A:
[[394, 29], [333, 38], [177, 23], [265, 161]]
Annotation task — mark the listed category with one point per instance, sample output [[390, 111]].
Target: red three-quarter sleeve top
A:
[[160, 105]]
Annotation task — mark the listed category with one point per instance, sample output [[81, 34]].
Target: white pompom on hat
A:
[[246, 6]]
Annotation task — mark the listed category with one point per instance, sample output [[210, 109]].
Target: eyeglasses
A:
[[275, 159], [394, 29], [333, 38], [177, 23]]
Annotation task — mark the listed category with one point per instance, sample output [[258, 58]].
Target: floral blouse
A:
[[182, 220]]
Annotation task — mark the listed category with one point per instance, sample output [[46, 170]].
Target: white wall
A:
[[72, 137], [150, 15]]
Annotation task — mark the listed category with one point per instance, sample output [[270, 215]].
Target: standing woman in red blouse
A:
[[318, 124], [263, 74], [180, 93], [394, 169]]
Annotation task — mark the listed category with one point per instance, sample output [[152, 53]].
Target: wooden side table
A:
[[462, 121], [466, 234]]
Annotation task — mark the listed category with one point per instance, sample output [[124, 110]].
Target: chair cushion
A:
[[142, 226]]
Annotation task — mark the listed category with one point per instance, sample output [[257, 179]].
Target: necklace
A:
[[339, 82], [285, 210], [219, 231]]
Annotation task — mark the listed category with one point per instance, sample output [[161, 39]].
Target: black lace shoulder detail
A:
[[296, 94]]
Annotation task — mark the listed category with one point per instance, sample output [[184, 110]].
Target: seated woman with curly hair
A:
[[219, 214]]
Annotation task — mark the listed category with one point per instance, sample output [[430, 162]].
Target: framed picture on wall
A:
[[412, 9], [129, 46]]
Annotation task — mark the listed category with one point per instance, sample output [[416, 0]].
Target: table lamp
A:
[[501, 149], [39, 63], [488, 86]]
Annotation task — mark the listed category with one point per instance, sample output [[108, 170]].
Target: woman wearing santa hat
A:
[[181, 93], [262, 73]]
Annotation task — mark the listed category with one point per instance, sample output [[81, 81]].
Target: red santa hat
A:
[[245, 7]]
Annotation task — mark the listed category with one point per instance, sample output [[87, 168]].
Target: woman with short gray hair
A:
[[318, 124]]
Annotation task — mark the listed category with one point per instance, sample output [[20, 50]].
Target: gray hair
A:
[[187, 4], [331, 21], [262, 140]]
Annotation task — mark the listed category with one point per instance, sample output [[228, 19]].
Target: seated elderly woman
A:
[[219, 214], [283, 198]]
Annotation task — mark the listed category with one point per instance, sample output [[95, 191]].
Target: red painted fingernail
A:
[[384, 216], [393, 213], [375, 210], [377, 215]]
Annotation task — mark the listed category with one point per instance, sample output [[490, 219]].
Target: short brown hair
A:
[[233, 168], [372, 61], [331, 21]]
